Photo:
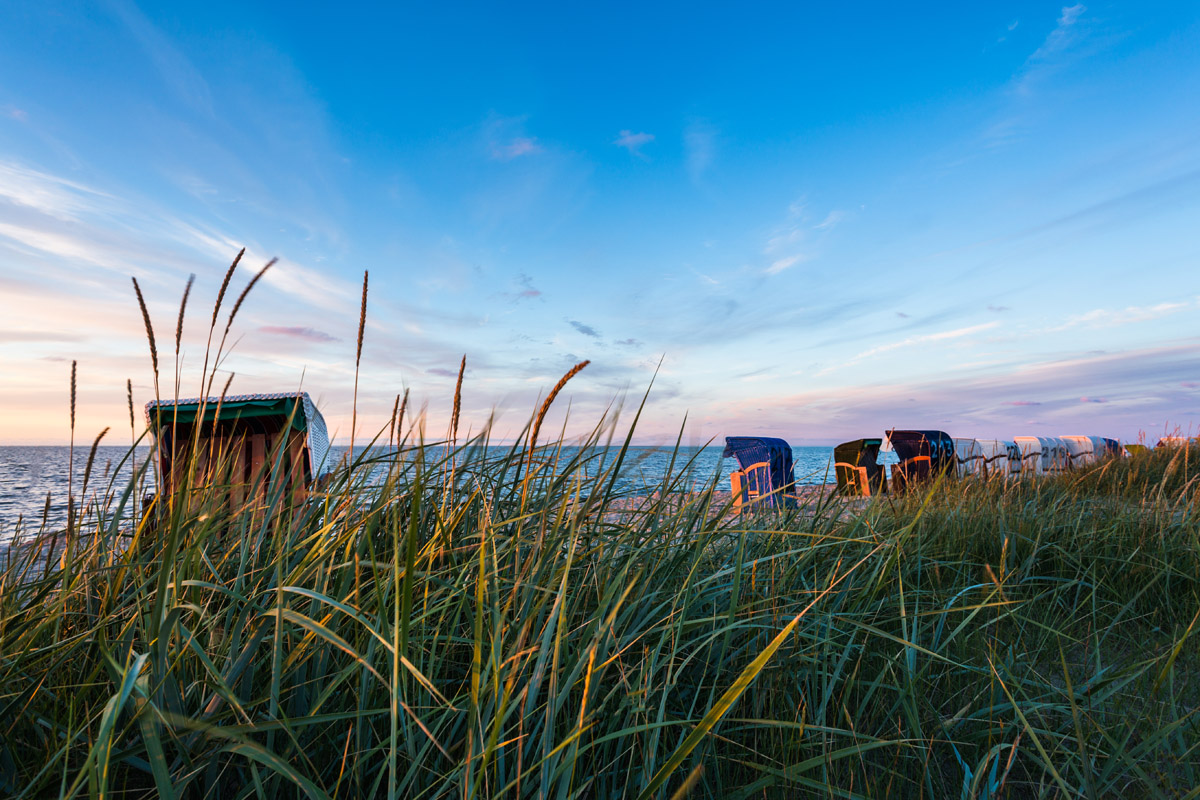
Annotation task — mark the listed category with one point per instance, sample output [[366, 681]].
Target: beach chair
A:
[[1001, 458], [749, 483], [767, 478], [923, 455], [1056, 456], [244, 451], [1081, 451], [1031, 454], [969, 458], [856, 466]]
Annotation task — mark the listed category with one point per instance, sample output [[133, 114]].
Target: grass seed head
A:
[[149, 327]]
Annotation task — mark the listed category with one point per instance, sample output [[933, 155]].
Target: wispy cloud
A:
[[507, 140], [1125, 392], [515, 148], [699, 144], [299, 332], [779, 265], [38, 336], [51, 195], [1111, 318], [176, 71], [998, 309], [912, 341], [586, 330], [525, 290], [832, 219], [1055, 50], [634, 142], [793, 241], [1063, 34], [19, 114]]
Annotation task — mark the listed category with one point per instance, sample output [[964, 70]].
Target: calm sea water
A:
[[29, 474]]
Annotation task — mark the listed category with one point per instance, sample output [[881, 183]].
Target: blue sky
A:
[[821, 221]]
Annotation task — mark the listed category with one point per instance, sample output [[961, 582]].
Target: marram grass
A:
[[474, 628]]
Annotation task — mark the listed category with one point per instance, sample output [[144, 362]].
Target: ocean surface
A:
[[28, 475]]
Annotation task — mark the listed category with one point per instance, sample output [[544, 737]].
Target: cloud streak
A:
[[634, 142], [586, 330], [299, 332]]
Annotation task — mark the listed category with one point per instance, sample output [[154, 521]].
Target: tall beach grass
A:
[[450, 620]]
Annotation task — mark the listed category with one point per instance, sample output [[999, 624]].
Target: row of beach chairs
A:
[[765, 477], [923, 455]]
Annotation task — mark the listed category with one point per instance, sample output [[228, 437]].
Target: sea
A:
[[34, 481]]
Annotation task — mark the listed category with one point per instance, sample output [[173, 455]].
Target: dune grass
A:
[[455, 623], [458, 620]]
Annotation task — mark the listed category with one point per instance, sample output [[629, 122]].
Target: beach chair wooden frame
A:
[[739, 481], [852, 479]]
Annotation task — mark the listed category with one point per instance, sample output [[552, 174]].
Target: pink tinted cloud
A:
[[634, 142], [1124, 393], [299, 332]]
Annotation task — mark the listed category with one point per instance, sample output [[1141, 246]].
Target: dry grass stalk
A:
[[149, 333], [71, 456], [362, 324], [73, 366], [457, 400], [232, 314], [362, 318], [225, 287], [182, 307], [400, 418], [242, 297], [537, 425], [216, 309], [392, 423], [132, 438], [87, 471]]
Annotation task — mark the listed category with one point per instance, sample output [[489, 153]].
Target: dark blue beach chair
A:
[[766, 476]]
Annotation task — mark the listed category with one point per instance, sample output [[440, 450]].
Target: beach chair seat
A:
[[911, 472], [852, 480], [750, 484]]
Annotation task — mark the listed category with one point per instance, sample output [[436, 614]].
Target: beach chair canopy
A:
[[1175, 441], [777, 454], [937, 445], [293, 408], [1104, 447]]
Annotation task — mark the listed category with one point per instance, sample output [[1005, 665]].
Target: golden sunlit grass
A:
[[471, 621]]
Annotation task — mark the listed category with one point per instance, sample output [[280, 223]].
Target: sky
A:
[[814, 221]]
